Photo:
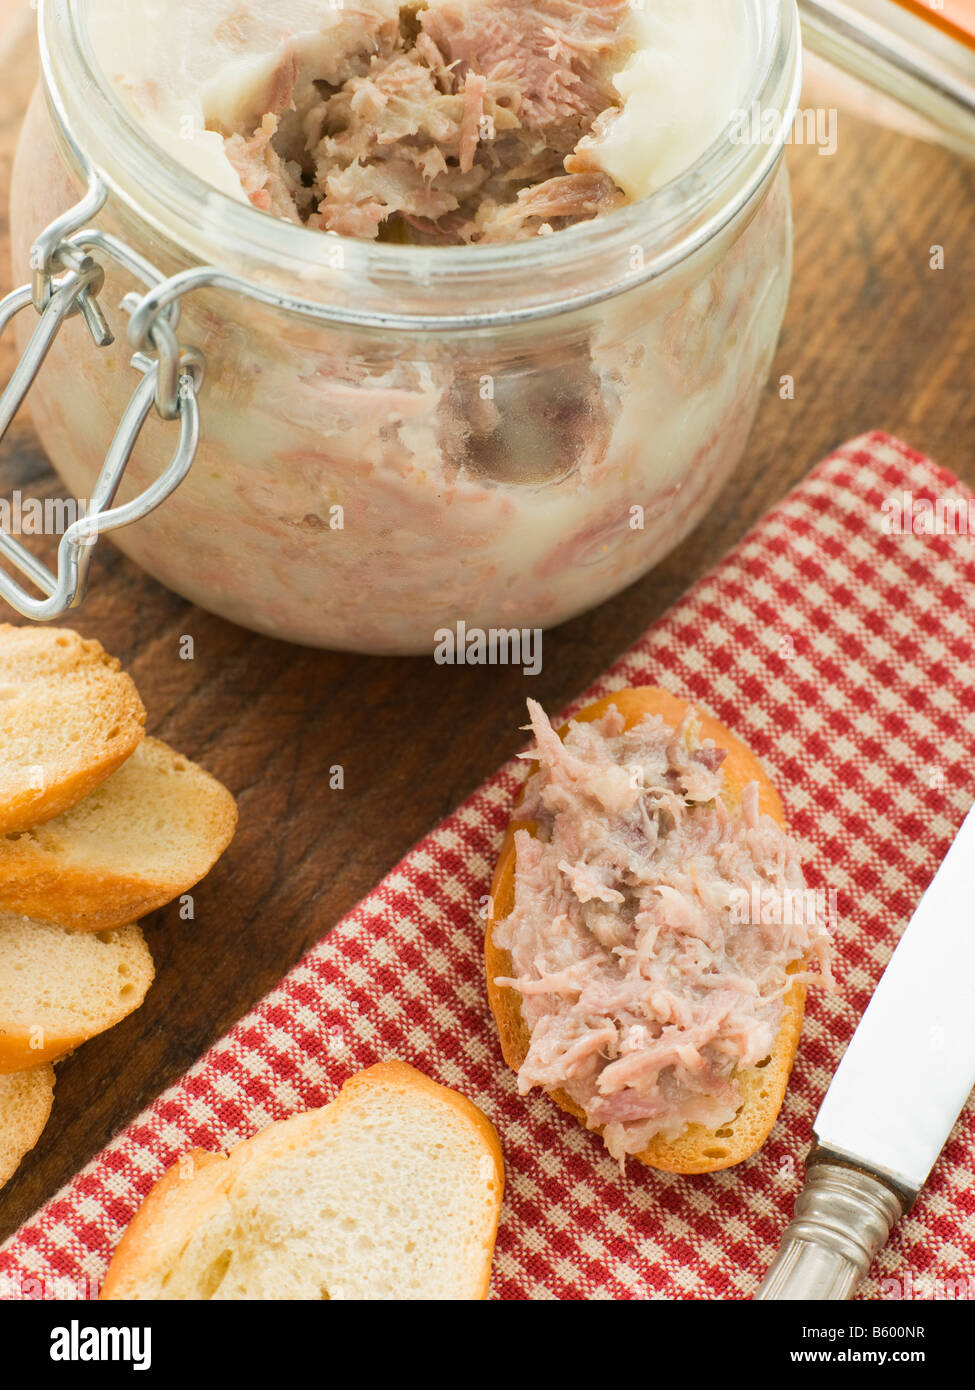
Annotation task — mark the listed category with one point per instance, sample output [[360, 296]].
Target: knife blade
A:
[[901, 1084], [910, 1065]]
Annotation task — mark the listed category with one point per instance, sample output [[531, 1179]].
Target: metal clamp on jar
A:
[[66, 281]]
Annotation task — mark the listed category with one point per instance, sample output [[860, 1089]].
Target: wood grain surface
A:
[[874, 339]]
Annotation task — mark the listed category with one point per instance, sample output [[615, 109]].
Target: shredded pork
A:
[[643, 982], [461, 125]]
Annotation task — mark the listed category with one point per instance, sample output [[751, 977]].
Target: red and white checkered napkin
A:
[[845, 657]]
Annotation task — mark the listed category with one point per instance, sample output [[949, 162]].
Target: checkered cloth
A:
[[844, 656]]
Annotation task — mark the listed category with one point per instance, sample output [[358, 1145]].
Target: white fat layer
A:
[[678, 91]]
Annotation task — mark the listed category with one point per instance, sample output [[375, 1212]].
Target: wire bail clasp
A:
[[66, 280]]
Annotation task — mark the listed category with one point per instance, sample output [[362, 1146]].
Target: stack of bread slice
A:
[[99, 825]]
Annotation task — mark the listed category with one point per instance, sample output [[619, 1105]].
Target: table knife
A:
[[897, 1092]]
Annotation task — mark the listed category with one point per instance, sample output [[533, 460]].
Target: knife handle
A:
[[843, 1217]]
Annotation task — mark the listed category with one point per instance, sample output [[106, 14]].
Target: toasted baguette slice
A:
[[391, 1192], [69, 716], [26, 1098], [155, 828], [59, 987], [697, 1149]]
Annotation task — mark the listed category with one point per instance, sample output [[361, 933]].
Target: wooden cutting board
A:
[[874, 339]]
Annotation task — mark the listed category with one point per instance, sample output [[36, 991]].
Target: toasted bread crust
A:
[[199, 1176], [74, 899], [697, 1150], [175, 1204], [75, 661], [20, 1052]]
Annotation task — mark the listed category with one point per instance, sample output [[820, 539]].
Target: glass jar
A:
[[394, 438]]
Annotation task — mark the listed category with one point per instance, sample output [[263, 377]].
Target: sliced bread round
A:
[[59, 987], [391, 1192], [69, 716], [26, 1098], [148, 834]]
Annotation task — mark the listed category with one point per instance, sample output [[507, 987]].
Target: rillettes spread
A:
[[643, 978], [449, 121]]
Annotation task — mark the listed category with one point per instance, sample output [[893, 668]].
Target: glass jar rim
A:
[[496, 284]]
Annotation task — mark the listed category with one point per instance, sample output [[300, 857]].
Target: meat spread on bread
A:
[[626, 973]]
